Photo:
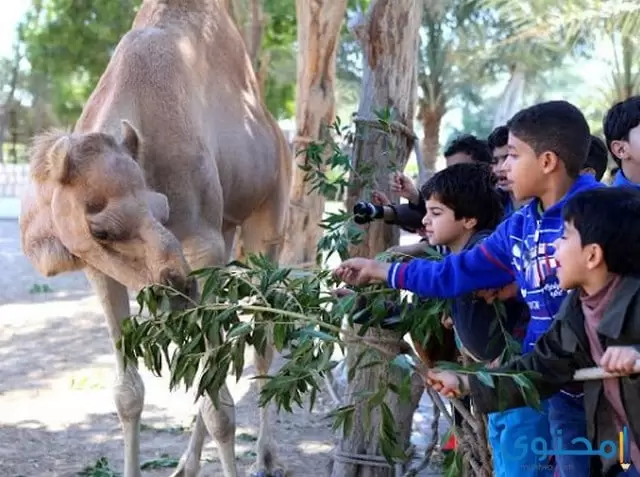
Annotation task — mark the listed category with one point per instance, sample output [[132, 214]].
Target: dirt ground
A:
[[57, 414]]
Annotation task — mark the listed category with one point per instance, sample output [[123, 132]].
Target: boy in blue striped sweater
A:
[[548, 145]]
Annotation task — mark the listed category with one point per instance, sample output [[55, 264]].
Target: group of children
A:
[[571, 246]]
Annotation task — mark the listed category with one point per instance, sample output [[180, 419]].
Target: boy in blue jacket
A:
[[621, 127], [548, 145]]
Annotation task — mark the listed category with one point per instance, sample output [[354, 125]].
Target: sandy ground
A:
[[57, 414]]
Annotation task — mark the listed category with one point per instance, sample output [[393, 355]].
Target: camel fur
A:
[[174, 151]]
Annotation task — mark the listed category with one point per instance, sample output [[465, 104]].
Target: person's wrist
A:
[[414, 197], [382, 271]]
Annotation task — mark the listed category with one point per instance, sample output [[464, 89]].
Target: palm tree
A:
[[467, 45]]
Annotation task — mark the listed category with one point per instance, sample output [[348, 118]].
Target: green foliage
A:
[[243, 304], [100, 469], [72, 50], [163, 462], [278, 41]]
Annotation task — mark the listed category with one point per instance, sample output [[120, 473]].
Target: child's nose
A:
[[425, 220]]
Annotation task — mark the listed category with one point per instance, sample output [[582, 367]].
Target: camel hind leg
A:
[[263, 233]]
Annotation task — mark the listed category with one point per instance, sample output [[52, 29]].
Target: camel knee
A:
[[129, 394], [220, 422]]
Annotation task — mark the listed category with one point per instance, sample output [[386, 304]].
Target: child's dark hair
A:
[[621, 118], [610, 218], [498, 137], [469, 190], [598, 157], [554, 126], [469, 144]]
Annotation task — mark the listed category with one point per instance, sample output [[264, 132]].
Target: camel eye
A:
[[100, 234], [95, 207]]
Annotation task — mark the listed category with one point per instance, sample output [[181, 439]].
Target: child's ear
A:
[[595, 256], [619, 149], [469, 224], [549, 161]]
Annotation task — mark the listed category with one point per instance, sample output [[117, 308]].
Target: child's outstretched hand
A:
[[404, 186], [362, 271], [379, 198], [620, 359], [447, 383]]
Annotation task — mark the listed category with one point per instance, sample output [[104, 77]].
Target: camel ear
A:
[[50, 158], [39, 241], [59, 159], [130, 139]]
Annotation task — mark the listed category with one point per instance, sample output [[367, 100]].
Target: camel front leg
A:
[[129, 387]]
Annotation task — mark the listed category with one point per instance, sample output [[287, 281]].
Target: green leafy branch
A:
[[258, 303]]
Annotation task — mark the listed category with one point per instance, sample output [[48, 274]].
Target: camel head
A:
[[88, 205]]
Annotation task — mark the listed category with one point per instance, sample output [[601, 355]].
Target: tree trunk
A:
[[389, 39], [362, 442], [431, 118], [512, 96], [319, 23]]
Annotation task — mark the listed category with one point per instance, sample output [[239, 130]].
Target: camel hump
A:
[[147, 53]]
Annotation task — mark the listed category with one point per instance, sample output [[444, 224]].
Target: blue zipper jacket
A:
[[619, 180], [521, 248]]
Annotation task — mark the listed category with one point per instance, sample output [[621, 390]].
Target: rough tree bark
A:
[[389, 39], [431, 117], [319, 23]]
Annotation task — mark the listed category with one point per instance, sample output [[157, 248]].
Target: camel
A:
[[173, 152]]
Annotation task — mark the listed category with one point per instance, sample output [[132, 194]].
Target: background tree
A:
[[384, 138], [319, 25]]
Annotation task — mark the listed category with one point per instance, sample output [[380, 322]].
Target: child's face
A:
[[441, 226], [523, 169], [500, 156], [572, 264], [628, 151]]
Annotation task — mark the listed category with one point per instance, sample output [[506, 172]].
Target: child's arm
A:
[[406, 216], [555, 358], [487, 265]]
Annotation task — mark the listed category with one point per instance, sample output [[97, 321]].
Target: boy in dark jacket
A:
[[463, 206], [598, 257], [548, 145]]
